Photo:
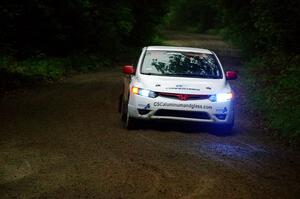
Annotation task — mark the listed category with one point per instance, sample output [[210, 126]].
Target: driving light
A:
[[135, 90], [143, 92], [221, 97]]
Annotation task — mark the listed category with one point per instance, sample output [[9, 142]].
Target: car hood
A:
[[180, 85]]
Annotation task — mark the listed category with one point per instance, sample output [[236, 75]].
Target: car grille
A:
[[184, 96], [185, 114]]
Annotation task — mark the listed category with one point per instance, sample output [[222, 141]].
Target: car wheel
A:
[[123, 109], [226, 129], [130, 123], [223, 129]]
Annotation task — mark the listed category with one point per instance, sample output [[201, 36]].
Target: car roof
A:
[[177, 48]]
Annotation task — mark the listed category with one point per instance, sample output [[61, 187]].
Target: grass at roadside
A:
[[16, 74], [35, 68], [273, 91], [51, 68]]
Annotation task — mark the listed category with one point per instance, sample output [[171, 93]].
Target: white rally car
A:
[[178, 83]]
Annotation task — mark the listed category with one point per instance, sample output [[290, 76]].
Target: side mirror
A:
[[128, 70], [231, 75]]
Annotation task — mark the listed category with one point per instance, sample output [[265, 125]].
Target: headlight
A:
[[221, 97], [143, 92]]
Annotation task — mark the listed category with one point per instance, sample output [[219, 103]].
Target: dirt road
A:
[[66, 140]]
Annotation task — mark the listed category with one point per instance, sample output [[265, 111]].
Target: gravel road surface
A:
[[66, 140]]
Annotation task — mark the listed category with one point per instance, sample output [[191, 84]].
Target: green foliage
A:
[[61, 28], [86, 63], [257, 27], [267, 33], [48, 69], [276, 93], [262, 27], [148, 15], [45, 39], [193, 15]]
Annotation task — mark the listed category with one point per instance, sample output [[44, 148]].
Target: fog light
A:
[[143, 111], [220, 116]]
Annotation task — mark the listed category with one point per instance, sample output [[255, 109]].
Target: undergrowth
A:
[[14, 73], [273, 86]]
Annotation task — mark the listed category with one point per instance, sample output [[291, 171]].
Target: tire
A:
[[123, 108], [225, 129], [130, 123]]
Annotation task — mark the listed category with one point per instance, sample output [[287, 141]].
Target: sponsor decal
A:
[[183, 88], [191, 106], [147, 106], [144, 106]]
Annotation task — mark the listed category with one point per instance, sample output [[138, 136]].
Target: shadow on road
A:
[[184, 127]]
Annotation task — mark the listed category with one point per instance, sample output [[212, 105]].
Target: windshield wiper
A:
[[157, 74], [200, 76], [148, 73], [190, 75]]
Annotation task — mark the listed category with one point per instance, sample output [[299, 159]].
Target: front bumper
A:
[[174, 109]]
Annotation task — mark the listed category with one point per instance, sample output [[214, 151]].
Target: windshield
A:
[[185, 64]]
